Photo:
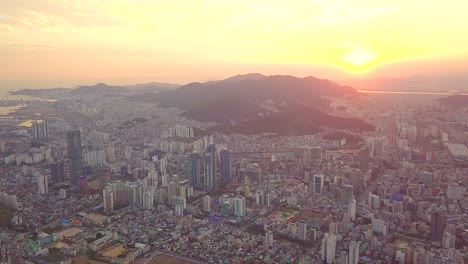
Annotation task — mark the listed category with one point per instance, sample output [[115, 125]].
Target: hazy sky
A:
[[184, 40]]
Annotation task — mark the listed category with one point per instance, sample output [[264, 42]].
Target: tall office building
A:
[[179, 210], [135, 193], [226, 166], [209, 171], [176, 180], [328, 248], [120, 193], [74, 155], [42, 184], [455, 192], [262, 198], [318, 183], [438, 223], [153, 179], [62, 193], [110, 152], [57, 171], [172, 193], [207, 203], [344, 257], [211, 152], [108, 197], [163, 165], [105, 176], [347, 191], [183, 191], [164, 180], [253, 172], [393, 131], [239, 206], [148, 200], [40, 129], [180, 205], [124, 171], [448, 240], [269, 239], [354, 252], [364, 159], [95, 158], [194, 170], [352, 209], [316, 153], [302, 232]]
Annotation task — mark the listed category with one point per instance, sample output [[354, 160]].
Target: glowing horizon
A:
[[172, 40]]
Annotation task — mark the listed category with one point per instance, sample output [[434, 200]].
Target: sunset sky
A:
[[47, 42]]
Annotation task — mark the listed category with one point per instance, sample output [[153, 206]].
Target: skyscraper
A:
[[393, 131], [176, 180], [148, 200], [352, 209], [269, 239], [62, 193], [172, 192], [226, 166], [364, 159], [328, 248], [180, 205], [42, 184], [104, 175], [40, 129], [194, 170], [108, 197], [318, 183], [353, 252], [302, 233], [239, 206], [438, 223], [135, 193], [210, 171], [207, 203], [57, 171], [74, 155], [344, 257], [211, 151]]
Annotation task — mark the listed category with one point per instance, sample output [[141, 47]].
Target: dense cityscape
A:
[[104, 179], [233, 132]]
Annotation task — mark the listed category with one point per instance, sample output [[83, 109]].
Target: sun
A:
[[360, 58]]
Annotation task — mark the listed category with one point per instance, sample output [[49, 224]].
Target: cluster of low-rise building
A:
[[130, 181]]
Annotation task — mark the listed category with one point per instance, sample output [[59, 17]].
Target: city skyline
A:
[[233, 131]]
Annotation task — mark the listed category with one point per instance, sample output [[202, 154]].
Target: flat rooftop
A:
[[458, 150], [69, 232], [114, 252], [96, 217]]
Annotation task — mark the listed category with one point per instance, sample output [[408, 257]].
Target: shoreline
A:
[[410, 92], [6, 111]]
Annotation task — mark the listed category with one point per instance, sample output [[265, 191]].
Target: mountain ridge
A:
[[293, 121]]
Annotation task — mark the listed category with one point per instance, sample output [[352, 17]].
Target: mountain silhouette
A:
[[246, 91]]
